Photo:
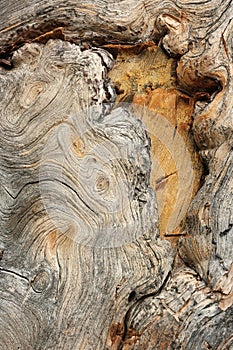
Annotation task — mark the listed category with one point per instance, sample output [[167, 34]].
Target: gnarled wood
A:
[[90, 218], [82, 264], [145, 75]]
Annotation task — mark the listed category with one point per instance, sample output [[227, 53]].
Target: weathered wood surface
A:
[[114, 20], [85, 238], [82, 264], [144, 75]]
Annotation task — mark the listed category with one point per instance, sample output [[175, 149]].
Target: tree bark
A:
[[104, 107]]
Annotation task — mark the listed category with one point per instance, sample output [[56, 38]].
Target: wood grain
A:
[[75, 170], [144, 75], [85, 174], [99, 21]]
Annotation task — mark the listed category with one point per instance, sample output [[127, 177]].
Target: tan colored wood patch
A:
[[145, 77]]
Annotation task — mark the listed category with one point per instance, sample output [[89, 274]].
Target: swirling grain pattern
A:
[[75, 171], [75, 181], [115, 20]]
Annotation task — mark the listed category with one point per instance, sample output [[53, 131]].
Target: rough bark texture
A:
[[82, 263]]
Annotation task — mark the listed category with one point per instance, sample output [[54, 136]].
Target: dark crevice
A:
[[40, 34], [202, 89], [30, 183], [55, 30], [132, 296], [6, 62], [112, 50], [138, 300], [205, 172], [160, 182], [16, 274], [1, 254], [225, 232]]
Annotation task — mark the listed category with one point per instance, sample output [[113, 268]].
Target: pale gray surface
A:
[[59, 289]]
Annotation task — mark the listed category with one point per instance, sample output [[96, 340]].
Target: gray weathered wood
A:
[[82, 264], [75, 201]]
